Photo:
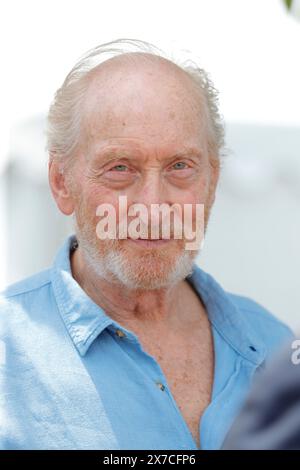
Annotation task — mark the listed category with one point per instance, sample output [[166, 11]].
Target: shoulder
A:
[[22, 294], [36, 281], [266, 325]]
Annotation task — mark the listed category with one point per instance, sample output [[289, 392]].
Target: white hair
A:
[[64, 117]]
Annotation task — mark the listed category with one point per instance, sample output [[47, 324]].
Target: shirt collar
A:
[[86, 320], [227, 318]]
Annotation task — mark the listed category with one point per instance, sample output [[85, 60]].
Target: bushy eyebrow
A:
[[105, 157], [191, 151]]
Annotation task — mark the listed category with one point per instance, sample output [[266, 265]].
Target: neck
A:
[[153, 308]]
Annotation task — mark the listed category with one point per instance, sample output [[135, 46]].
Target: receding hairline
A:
[[133, 58], [116, 66]]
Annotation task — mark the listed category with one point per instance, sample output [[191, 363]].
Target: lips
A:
[[153, 240], [148, 242]]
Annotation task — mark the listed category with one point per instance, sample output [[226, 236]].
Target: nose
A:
[[152, 190]]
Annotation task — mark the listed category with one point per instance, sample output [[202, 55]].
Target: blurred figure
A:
[[270, 419]]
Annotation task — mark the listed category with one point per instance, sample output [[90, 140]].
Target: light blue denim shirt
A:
[[73, 378]]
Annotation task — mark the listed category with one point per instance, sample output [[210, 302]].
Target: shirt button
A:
[[120, 333], [160, 385]]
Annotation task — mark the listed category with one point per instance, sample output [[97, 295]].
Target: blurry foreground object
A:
[[270, 419]]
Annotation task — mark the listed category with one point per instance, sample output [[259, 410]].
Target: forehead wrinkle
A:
[[116, 153]]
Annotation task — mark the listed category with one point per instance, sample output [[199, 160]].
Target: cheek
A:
[[197, 193], [89, 200], [94, 196]]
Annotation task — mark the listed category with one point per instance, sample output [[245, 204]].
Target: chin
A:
[[149, 270]]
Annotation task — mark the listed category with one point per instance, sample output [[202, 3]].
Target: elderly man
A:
[[125, 343]]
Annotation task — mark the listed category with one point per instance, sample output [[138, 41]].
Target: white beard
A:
[[149, 271]]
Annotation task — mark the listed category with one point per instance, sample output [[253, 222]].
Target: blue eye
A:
[[119, 167], [179, 167]]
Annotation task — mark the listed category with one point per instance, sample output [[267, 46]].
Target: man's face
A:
[[144, 138]]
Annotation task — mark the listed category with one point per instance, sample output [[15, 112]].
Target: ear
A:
[[215, 173], [60, 188]]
